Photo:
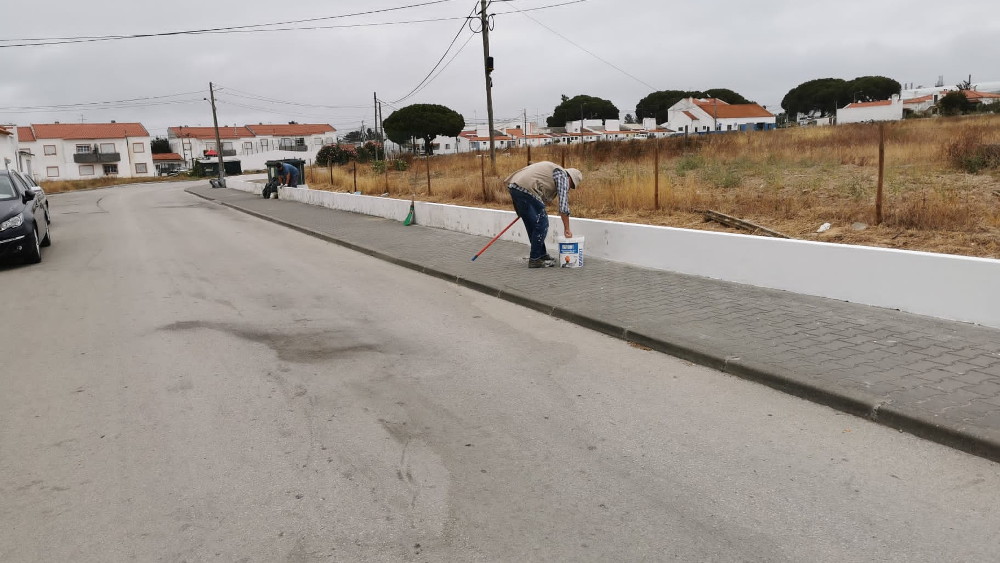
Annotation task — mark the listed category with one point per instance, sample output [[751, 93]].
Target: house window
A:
[[263, 144], [87, 170], [50, 150], [52, 171], [138, 147], [83, 149], [447, 146], [110, 169], [227, 146], [247, 147], [140, 167], [285, 142], [210, 145], [187, 145], [108, 148]]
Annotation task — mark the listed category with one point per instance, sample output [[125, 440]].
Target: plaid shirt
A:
[[561, 178]]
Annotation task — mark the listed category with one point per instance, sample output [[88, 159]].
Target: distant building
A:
[[8, 148], [253, 145], [168, 163], [79, 151], [707, 115], [863, 112]]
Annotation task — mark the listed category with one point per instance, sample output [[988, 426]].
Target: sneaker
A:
[[543, 262]]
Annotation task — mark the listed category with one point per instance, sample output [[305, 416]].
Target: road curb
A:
[[857, 404]]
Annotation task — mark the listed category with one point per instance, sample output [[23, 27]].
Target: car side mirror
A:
[[28, 196]]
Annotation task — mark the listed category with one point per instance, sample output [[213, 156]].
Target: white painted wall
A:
[[8, 148], [938, 285], [893, 111]]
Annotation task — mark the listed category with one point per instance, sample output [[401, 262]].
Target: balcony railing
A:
[[297, 148], [96, 157]]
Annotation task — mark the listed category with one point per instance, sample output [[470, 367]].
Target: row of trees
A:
[[823, 96], [426, 121]]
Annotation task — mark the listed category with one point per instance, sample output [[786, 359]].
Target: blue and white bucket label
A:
[[571, 252]]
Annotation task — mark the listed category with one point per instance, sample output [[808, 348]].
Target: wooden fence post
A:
[[656, 175], [427, 157], [881, 173]]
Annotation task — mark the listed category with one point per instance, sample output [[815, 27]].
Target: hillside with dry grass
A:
[[789, 180]]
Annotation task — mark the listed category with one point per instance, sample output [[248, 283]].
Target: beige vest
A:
[[537, 179]]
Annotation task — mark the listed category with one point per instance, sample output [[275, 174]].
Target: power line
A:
[[261, 98], [90, 39], [436, 65], [571, 42], [147, 101]]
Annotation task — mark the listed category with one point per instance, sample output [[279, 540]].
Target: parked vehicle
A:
[[24, 224], [39, 193]]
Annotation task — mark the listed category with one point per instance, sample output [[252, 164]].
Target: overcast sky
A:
[[620, 50]]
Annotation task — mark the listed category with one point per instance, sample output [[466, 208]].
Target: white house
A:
[[693, 115], [253, 145], [8, 147], [167, 163], [920, 104], [78, 151], [863, 112]]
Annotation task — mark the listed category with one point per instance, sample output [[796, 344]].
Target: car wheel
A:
[[33, 253]]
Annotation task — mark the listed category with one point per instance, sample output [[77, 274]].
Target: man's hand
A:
[[569, 233]]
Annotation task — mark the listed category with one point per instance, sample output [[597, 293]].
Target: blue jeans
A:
[[535, 219]]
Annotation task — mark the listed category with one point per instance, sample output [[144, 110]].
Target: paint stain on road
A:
[[303, 347]]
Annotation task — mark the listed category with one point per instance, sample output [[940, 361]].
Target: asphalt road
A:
[[182, 382]]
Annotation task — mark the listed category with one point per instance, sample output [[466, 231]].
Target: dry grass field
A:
[[790, 180], [59, 186]]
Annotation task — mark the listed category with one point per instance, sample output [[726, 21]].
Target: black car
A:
[[39, 193], [24, 224]]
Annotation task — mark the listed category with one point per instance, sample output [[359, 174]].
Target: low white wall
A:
[[939, 285]]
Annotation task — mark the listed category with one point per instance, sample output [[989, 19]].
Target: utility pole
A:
[[383, 139], [488, 65], [218, 140], [375, 95], [525, 136]]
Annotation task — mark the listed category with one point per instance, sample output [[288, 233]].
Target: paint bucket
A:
[[570, 252]]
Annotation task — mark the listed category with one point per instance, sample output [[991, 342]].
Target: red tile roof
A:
[[25, 134], [723, 110], [291, 129], [691, 115], [977, 95], [167, 156], [921, 99], [88, 130], [869, 104], [208, 133]]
